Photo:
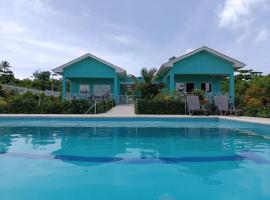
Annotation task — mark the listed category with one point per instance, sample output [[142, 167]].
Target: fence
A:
[[119, 99], [22, 90]]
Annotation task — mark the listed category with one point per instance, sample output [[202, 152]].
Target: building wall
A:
[[89, 68], [200, 67], [91, 72], [203, 63], [76, 82]]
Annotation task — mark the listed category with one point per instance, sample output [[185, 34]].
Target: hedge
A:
[[29, 103], [153, 106]]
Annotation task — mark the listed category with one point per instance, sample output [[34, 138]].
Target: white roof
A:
[[237, 64], [59, 69]]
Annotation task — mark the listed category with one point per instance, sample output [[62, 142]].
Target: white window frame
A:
[[106, 88], [180, 87], [207, 83], [84, 88]]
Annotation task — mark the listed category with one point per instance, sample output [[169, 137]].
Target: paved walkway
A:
[[121, 110]]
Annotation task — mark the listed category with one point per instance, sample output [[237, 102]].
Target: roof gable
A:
[[237, 64], [60, 69], [163, 70]]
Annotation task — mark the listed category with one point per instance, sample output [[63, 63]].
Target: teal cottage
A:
[[203, 68]]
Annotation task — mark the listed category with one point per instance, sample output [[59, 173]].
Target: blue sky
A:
[[43, 34]]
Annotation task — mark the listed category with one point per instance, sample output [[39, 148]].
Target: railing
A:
[[119, 99], [89, 96], [210, 95], [91, 107], [22, 90], [126, 99]]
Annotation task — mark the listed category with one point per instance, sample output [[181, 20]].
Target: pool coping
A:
[[256, 120]]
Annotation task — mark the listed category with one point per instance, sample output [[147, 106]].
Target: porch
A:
[[211, 84], [89, 88]]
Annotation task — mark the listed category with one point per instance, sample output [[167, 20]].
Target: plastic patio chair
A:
[[193, 105], [222, 104]]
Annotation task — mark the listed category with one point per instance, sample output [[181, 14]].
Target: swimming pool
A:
[[133, 158]]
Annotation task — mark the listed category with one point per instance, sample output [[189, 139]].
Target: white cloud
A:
[[262, 35], [237, 13], [245, 18], [118, 38], [11, 28], [38, 6]]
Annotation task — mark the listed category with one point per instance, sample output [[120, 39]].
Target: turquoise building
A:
[[203, 68]]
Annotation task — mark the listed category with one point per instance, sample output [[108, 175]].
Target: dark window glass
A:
[[203, 86], [207, 87], [189, 87]]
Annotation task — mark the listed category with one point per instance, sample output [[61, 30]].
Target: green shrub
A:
[[29, 103], [50, 105], [153, 106], [162, 97], [198, 92], [23, 104], [75, 106]]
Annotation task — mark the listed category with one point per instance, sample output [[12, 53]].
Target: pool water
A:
[[101, 159]]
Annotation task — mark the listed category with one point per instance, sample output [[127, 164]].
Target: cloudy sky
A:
[[43, 34]]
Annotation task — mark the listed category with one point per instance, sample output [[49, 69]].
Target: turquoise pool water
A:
[[142, 158]]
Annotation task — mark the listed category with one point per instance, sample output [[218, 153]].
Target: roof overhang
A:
[[60, 69]]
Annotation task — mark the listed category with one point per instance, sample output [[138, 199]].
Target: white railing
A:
[[209, 95], [119, 99], [22, 90], [94, 106], [89, 96]]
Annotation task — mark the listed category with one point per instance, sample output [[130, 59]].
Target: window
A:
[[84, 89], [101, 89], [180, 87], [189, 87], [207, 87]]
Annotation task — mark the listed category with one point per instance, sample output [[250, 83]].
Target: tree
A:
[[42, 75], [5, 67], [7, 75], [42, 80], [147, 88]]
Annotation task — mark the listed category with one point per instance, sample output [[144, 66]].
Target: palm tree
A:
[[5, 67], [7, 75], [148, 89], [148, 75]]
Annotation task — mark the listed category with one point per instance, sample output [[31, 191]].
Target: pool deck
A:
[[127, 111], [107, 115]]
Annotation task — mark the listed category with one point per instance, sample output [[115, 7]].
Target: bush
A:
[[23, 104], [75, 106], [29, 103], [156, 106]]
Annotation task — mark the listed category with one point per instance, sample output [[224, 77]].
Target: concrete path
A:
[[121, 110]]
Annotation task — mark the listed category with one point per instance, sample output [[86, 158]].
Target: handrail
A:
[[93, 106]]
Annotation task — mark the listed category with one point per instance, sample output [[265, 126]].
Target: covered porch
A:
[[211, 84], [89, 88]]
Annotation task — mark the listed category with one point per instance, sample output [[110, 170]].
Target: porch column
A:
[[171, 84], [115, 92], [64, 88], [231, 87]]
